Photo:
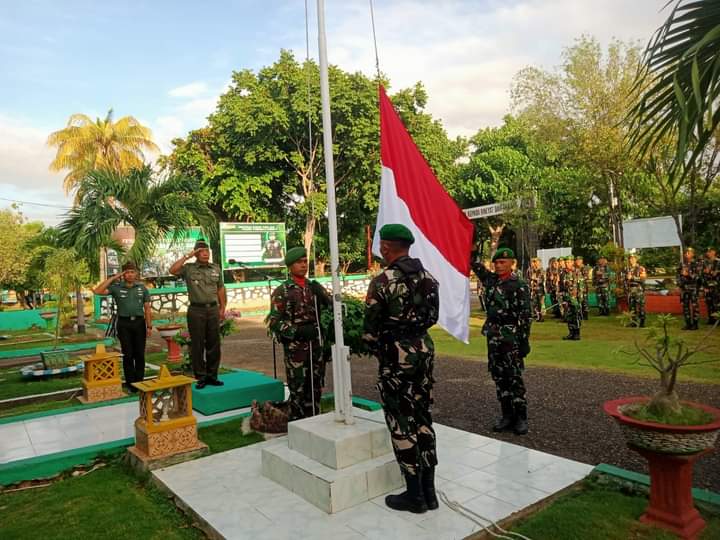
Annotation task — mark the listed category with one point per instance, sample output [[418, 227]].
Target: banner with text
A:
[[252, 245]]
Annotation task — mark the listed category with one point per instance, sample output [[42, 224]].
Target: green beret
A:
[[396, 231], [503, 253], [293, 254]]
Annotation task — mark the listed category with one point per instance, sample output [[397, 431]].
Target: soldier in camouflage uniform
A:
[[635, 276], [507, 329], [711, 283], [688, 279], [583, 281], [601, 276], [402, 304], [535, 277], [294, 321], [552, 284], [570, 299]]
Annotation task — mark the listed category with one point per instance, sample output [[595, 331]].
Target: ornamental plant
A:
[[666, 354]]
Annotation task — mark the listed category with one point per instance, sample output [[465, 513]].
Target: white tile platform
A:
[[228, 492]]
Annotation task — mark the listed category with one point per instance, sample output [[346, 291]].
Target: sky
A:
[[167, 62]]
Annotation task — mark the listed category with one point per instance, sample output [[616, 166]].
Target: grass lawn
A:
[[596, 512], [603, 339], [108, 503]]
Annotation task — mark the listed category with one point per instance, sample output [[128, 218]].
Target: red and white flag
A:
[[411, 194]]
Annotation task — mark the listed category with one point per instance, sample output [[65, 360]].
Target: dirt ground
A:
[[565, 406]]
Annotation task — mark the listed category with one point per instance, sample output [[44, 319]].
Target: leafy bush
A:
[[353, 315]]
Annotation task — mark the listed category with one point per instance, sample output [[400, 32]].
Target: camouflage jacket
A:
[[711, 273], [507, 304], [582, 278], [602, 274], [635, 279], [402, 303], [536, 279], [568, 283], [688, 275], [294, 306], [552, 279]]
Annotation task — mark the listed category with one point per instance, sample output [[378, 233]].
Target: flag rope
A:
[[377, 58]]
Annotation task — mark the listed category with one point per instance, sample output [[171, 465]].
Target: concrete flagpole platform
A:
[[230, 497]]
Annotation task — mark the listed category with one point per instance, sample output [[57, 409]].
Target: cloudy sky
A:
[[166, 62]]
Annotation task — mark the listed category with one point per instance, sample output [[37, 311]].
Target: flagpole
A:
[[342, 387]]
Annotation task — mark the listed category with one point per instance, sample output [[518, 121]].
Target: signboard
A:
[[488, 210], [252, 245], [546, 254], [166, 251], [650, 233]]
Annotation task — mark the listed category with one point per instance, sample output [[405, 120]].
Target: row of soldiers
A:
[[567, 280]]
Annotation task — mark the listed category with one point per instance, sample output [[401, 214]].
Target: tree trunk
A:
[[320, 267], [80, 302], [309, 236]]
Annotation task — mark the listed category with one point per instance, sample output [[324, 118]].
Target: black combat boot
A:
[[521, 425], [570, 336], [411, 500], [576, 335], [506, 421], [428, 487], [642, 322]]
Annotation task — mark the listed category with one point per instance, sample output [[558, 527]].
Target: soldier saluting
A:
[[294, 320], [507, 329], [402, 304]]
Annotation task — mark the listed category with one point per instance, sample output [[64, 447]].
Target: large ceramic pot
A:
[[671, 452], [664, 438], [169, 330]]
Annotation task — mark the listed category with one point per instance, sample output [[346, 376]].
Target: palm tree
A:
[[681, 82], [153, 206], [84, 145]]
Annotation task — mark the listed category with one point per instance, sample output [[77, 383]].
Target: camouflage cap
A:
[[293, 254], [396, 231], [503, 253]]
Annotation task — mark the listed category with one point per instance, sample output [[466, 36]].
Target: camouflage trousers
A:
[[585, 305], [407, 400], [691, 305], [555, 302], [712, 299], [305, 391], [603, 299], [572, 313], [636, 304], [506, 366], [538, 304]]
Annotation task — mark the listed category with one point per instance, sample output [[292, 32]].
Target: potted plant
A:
[[671, 434]]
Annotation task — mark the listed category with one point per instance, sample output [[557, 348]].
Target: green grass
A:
[[688, 416], [108, 503], [226, 436], [603, 340], [597, 512]]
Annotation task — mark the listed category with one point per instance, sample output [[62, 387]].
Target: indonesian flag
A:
[[411, 194]]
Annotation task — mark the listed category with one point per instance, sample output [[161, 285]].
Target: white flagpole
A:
[[342, 387]]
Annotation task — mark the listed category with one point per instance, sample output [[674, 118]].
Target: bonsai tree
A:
[[64, 273], [666, 354]]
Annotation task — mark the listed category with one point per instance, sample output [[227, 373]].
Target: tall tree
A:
[[14, 257], [260, 157], [153, 206], [85, 144]]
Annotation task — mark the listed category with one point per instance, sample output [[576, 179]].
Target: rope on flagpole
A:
[[377, 58]]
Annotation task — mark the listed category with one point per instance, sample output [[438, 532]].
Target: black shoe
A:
[[411, 500], [572, 336], [521, 426], [695, 326], [506, 421], [201, 384], [428, 487], [214, 382]]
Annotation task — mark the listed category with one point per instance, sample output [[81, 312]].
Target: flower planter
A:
[[671, 452], [168, 333]]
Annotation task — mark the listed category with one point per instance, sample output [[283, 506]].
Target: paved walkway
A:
[[228, 493]]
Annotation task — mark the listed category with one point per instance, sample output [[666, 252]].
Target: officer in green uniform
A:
[[689, 279], [711, 283], [294, 320], [507, 329], [635, 276], [601, 276], [569, 293], [402, 303], [206, 292], [134, 319]]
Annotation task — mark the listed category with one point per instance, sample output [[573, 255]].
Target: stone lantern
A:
[[165, 430], [101, 376]]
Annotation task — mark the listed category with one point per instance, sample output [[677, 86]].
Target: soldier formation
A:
[[694, 277]]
